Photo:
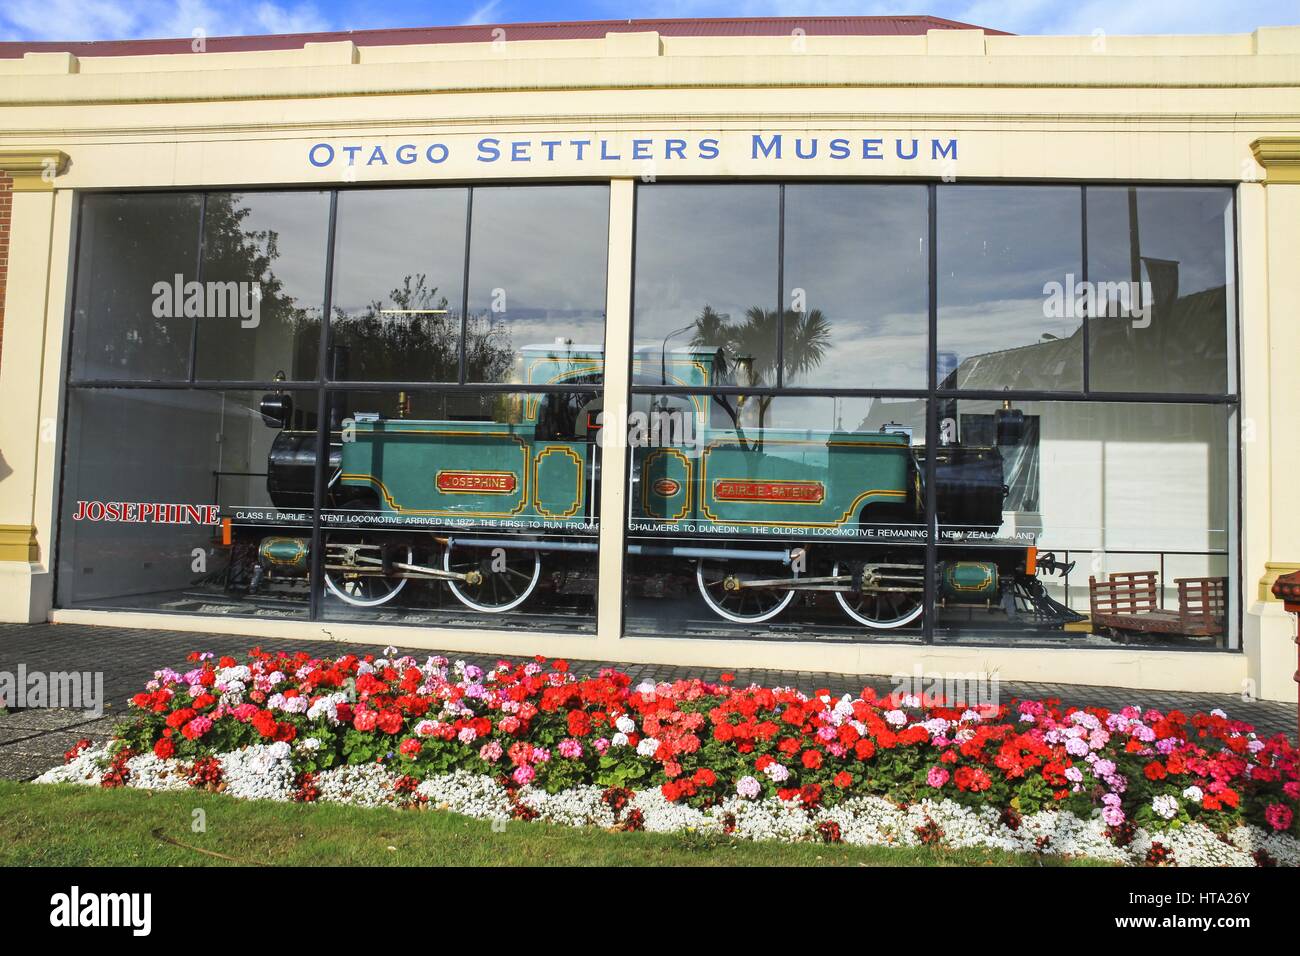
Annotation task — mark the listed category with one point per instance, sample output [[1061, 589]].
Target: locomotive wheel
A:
[[717, 581], [493, 591], [882, 610], [366, 590]]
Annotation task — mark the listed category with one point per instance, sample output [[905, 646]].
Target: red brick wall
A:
[[6, 206]]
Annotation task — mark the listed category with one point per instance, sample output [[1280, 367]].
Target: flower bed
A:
[[534, 742]]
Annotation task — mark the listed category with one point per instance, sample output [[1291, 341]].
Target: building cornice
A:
[[1280, 157], [33, 170]]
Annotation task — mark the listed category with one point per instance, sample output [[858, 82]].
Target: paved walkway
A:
[[32, 741]]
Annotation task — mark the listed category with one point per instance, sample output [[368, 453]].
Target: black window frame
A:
[[323, 385], [935, 397]]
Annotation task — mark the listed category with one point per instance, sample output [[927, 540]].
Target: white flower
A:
[[647, 746], [895, 718], [625, 724], [618, 740], [1193, 793], [779, 773], [1165, 806]]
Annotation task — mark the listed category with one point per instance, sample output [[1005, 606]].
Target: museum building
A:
[[857, 344]]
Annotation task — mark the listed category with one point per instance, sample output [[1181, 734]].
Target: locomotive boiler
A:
[[761, 515]]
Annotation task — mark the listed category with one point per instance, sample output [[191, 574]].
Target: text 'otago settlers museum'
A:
[[760, 146], [137, 512]]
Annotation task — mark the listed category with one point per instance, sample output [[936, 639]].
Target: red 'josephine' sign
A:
[[483, 482], [146, 512]]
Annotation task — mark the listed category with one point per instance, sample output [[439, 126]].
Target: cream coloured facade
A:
[[951, 106]]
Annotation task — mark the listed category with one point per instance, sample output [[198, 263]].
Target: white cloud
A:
[[1115, 17], [136, 19], [486, 13]]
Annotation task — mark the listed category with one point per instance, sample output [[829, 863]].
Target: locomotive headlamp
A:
[[276, 407], [1009, 424]]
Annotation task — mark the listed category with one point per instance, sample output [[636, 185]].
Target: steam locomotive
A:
[[764, 514]]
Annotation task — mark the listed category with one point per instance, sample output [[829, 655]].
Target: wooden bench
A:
[[1129, 602]]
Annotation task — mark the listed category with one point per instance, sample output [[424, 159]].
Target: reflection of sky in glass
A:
[[1189, 226], [301, 224], [859, 254], [385, 235], [545, 247], [702, 245], [998, 246]]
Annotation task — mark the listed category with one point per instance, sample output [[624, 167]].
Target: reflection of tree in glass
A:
[[126, 246], [233, 253], [751, 345], [415, 335]]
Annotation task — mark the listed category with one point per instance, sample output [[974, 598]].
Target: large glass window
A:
[[814, 478], [856, 261], [264, 262], [1123, 511], [706, 262], [536, 276], [1165, 301], [151, 478], [1003, 251], [262, 481], [399, 278], [134, 257]]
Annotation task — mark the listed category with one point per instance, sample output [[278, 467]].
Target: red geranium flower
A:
[[264, 723]]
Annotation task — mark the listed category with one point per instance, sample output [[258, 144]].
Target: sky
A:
[[123, 19]]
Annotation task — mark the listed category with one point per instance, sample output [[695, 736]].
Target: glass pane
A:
[[537, 278], [265, 254], [453, 509], [1161, 264], [135, 256], [1038, 498], [137, 535], [857, 295], [399, 267], [706, 281], [775, 518], [1005, 254]]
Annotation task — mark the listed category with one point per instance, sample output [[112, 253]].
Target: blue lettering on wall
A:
[[321, 155], [939, 150], [764, 147], [770, 150]]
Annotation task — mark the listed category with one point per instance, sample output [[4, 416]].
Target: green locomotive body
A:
[[430, 500]]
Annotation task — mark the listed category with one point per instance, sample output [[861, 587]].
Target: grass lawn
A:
[[68, 825]]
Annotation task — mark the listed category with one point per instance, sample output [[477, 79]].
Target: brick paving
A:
[[32, 741]]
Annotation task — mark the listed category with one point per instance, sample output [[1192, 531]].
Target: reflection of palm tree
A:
[[752, 344]]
